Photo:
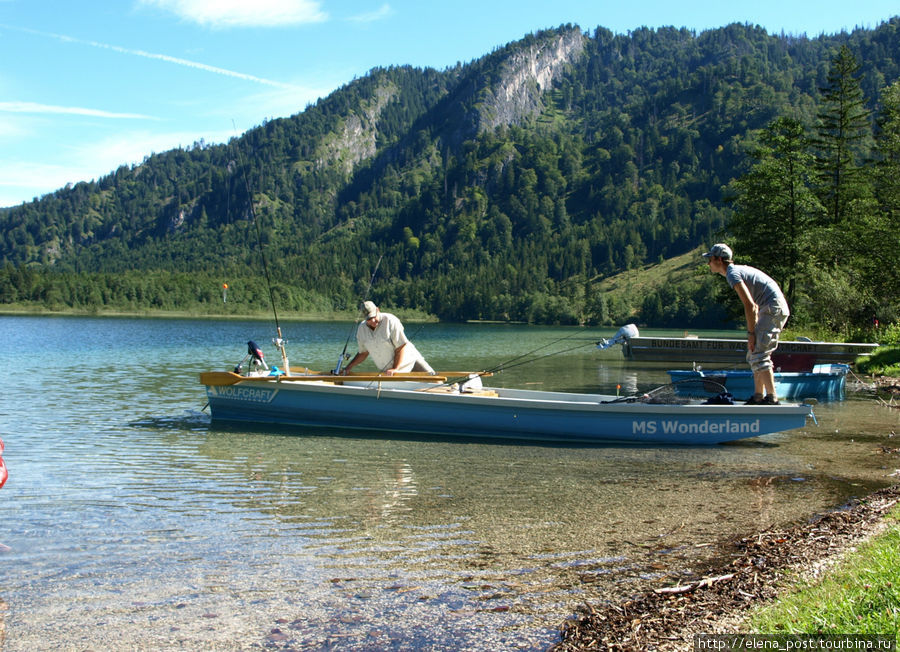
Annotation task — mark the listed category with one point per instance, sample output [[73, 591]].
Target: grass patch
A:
[[861, 595], [884, 361], [641, 281]]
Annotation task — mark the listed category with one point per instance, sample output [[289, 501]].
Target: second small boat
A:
[[825, 382]]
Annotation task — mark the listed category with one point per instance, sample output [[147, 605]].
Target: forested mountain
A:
[[506, 188]]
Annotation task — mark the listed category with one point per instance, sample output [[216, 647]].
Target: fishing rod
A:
[[344, 356], [679, 391], [508, 364], [541, 357], [279, 341], [519, 358]]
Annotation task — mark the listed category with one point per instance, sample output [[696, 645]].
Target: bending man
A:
[[381, 336], [766, 311]]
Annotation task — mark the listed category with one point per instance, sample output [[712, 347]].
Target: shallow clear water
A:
[[128, 521]]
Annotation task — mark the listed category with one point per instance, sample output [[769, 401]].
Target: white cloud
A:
[[23, 180], [240, 13], [33, 107], [10, 128], [383, 12], [130, 148], [255, 108], [71, 161]]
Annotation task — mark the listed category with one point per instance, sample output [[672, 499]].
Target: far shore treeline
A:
[[571, 177]]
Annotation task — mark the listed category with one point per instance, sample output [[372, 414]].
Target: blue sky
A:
[[88, 85]]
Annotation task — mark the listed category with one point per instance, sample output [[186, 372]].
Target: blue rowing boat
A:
[[437, 406], [824, 382]]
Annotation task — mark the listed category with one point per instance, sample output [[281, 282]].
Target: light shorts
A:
[[414, 361], [769, 324]]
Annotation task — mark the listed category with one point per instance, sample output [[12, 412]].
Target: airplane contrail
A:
[[152, 55]]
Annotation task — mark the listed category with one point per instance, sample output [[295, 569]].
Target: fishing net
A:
[[681, 392]]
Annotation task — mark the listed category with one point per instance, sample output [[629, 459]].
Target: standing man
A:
[[766, 311], [381, 336]]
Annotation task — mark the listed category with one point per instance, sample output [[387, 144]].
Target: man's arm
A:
[[751, 313], [359, 357], [399, 356]]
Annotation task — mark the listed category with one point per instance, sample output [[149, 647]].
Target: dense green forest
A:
[[511, 187]]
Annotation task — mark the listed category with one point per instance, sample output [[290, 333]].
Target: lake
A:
[[131, 522]]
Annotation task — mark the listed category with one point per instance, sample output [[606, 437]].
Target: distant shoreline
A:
[[406, 316]]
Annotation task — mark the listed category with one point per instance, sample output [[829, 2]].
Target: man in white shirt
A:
[[381, 336]]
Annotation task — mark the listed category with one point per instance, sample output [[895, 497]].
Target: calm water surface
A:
[[130, 523]]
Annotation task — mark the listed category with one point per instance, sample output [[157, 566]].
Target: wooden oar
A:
[[448, 374], [223, 378], [381, 378]]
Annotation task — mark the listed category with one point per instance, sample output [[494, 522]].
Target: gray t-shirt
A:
[[763, 289]]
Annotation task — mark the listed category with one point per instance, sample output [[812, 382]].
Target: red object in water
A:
[[4, 474]]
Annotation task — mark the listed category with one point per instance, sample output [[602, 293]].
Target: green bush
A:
[[888, 335], [885, 361]]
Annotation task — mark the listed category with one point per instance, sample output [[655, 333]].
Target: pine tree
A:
[[776, 207], [879, 241], [887, 147], [844, 130]]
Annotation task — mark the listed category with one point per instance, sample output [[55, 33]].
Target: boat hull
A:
[[523, 415], [824, 385]]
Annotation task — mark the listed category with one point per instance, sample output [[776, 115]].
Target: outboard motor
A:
[[256, 357], [627, 331], [256, 354]]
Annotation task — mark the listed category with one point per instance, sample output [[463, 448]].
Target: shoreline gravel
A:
[[669, 618]]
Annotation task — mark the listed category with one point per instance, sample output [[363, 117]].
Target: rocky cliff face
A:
[[527, 75], [517, 93], [356, 140]]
